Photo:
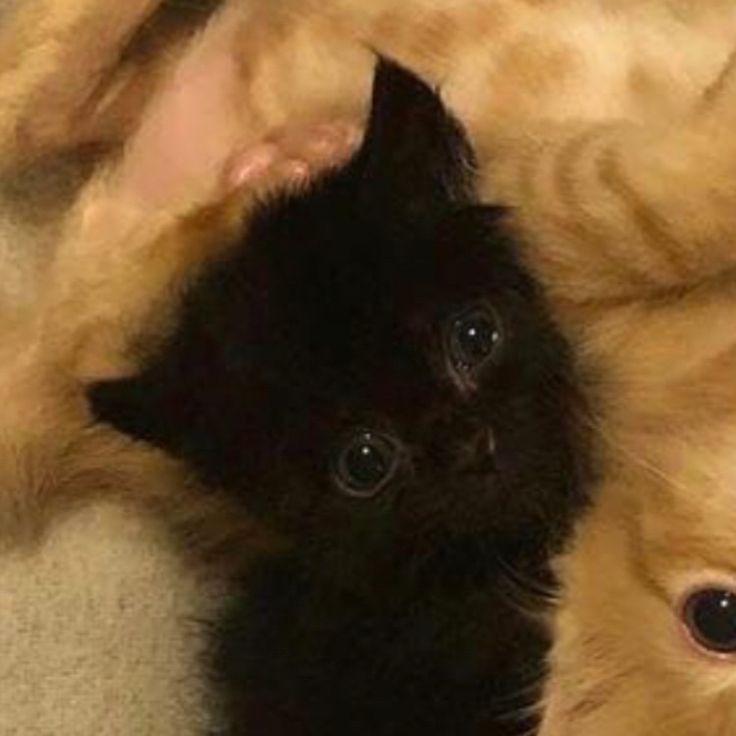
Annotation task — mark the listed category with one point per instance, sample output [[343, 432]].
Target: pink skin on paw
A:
[[190, 141], [323, 145], [292, 155], [249, 166], [191, 128]]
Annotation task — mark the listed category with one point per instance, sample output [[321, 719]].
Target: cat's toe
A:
[[330, 144], [292, 154], [251, 165]]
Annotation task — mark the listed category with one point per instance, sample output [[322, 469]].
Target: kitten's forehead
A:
[[349, 281], [326, 247]]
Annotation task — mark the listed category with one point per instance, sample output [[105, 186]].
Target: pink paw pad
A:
[[293, 155]]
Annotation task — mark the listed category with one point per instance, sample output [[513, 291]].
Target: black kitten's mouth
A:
[[485, 468]]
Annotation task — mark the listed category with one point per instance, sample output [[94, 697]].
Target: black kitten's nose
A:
[[476, 454], [459, 442]]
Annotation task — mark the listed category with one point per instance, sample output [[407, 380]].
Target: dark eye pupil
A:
[[710, 615], [366, 463], [474, 336]]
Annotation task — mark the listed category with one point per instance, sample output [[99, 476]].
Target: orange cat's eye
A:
[[709, 616]]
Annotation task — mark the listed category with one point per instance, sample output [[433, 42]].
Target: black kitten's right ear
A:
[[415, 156]]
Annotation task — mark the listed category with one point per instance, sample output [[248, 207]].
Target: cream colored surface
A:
[[99, 632]]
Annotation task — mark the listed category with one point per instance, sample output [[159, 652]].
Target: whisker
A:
[[623, 450]]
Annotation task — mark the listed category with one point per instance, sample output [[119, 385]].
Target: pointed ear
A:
[[415, 154], [128, 406]]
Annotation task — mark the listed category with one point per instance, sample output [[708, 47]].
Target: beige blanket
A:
[[99, 632]]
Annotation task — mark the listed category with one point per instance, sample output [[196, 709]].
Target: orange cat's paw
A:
[[293, 155]]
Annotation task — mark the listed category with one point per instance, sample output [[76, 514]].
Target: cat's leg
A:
[[75, 77], [82, 71], [619, 212], [107, 254], [57, 69]]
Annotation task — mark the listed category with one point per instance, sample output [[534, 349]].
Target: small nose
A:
[[476, 453], [459, 442]]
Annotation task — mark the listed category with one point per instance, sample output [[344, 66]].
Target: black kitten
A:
[[372, 373]]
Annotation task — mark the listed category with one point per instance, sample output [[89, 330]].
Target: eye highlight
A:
[[709, 614], [472, 339], [366, 463]]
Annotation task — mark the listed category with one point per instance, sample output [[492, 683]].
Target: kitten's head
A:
[[371, 370]]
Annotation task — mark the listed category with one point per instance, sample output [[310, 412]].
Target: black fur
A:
[[397, 614]]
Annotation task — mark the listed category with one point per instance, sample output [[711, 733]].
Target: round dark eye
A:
[[472, 338], [710, 617], [366, 463]]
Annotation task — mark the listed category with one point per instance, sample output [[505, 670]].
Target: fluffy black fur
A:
[[399, 613]]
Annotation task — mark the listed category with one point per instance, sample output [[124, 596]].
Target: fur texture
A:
[[336, 315], [629, 228]]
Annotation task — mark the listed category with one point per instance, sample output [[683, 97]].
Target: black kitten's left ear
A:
[[126, 405], [415, 153]]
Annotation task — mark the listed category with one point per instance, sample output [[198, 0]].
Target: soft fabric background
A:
[[100, 632]]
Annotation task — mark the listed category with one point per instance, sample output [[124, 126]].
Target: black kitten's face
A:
[[371, 372]]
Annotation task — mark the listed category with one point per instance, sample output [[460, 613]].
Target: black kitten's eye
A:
[[472, 338], [710, 617], [366, 463]]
